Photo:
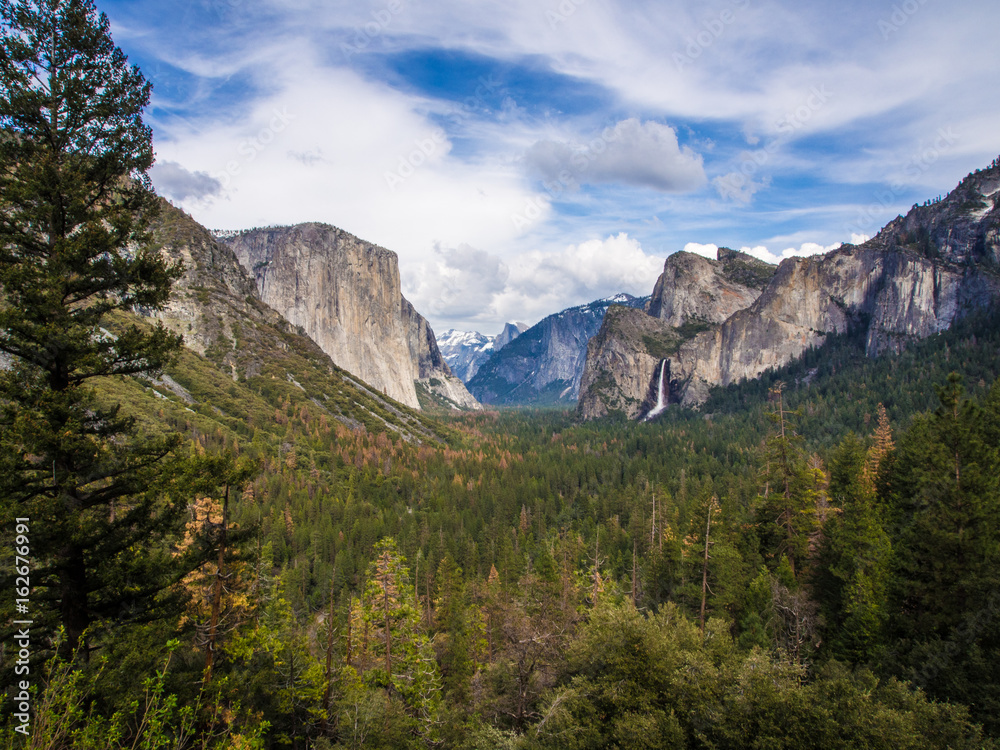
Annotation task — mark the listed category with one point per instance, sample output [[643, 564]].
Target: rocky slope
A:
[[545, 363], [693, 294], [228, 328], [466, 351], [919, 275], [695, 288], [344, 293]]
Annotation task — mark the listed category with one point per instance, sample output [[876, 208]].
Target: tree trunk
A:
[[704, 570], [213, 625], [329, 655]]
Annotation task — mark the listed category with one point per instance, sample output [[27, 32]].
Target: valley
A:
[[253, 501]]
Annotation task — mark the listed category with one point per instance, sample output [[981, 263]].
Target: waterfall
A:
[[661, 394]]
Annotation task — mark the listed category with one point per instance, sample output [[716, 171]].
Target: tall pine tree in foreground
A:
[[75, 202], [944, 487]]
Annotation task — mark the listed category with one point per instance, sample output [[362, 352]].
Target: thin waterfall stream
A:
[[661, 394]]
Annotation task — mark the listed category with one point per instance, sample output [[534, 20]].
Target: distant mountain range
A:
[[465, 351], [544, 364]]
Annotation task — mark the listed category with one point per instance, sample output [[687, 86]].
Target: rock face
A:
[[510, 332], [695, 288], [344, 293], [919, 275], [692, 295], [466, 351], [545, 363], [216, 307], [622, 367], [434, 377]]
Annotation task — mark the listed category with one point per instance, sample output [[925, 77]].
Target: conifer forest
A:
[[810, 559]]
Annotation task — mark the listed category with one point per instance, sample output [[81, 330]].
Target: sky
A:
[[524, 156]]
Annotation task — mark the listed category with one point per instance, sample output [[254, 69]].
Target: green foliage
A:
[[662, 344], [75, 203], [391, 649], [786, 510], [854, 572], [636, 681], [744, 269], [945, 495], [64, 715]]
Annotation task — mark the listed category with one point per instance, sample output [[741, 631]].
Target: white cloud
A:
[[470, 289], [805, 249], [708, 251], [457, 283], [327, 145], [645, 154], [738, 187]]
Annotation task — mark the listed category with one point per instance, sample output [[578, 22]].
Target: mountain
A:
[[693, 288], [344, 293], [918, 276], [545, 363], [510, 332], [244, 367], [465, 351], [624, 360]]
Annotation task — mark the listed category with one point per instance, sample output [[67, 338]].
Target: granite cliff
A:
[[229, 329], [344, 293], [694, 293], [695, 288], [919, 275]]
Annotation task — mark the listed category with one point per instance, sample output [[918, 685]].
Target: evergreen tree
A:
[[74, 205], [946, 495], [387, 645], [786, 508], [854, 571], [452, 641]]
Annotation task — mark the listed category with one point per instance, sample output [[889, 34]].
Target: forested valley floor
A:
[[810, 560]]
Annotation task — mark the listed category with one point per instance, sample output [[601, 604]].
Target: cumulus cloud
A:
[[644, 154], [471, 289], [457, 283], [806, 248], [177, 183], [542, 283], [709, 251]]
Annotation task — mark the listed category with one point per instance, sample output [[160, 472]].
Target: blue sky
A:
[[523, 156]]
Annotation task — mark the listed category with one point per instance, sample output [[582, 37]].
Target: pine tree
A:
[[945, 490], [786, 508], [947, 500], [74, 205], [853, 576], [388, 645]]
